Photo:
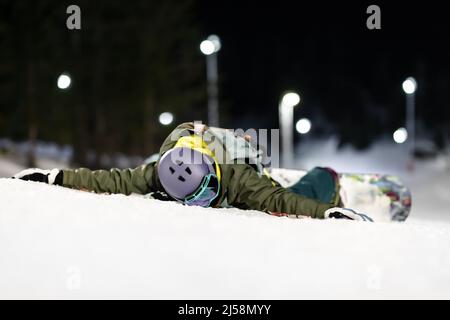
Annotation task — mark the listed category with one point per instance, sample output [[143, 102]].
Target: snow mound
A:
[[67, 244]]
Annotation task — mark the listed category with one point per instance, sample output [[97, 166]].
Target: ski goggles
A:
[[206, 193]]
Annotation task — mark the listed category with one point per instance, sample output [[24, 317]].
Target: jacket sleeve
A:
[[250, 191], [141, 180]]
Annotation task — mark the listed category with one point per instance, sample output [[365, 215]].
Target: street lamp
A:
[[286, 117], [409, 87], [303, 126], [166, 118], [64, 81], [210, 47], [400, 135]]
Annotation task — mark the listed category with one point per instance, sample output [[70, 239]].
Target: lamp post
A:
[[410, 87], [210, 47], [400, 135], [286, 117], [165, 118], [303, 126], [64, 81]]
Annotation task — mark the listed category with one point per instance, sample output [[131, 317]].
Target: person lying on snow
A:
[[187, 171]]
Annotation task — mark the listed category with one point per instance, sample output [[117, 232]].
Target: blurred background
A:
[[108, 94]]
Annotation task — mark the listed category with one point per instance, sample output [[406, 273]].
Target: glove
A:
[[344, 213], [54, 176]]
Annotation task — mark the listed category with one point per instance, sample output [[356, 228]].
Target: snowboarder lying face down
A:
[[187, 171]]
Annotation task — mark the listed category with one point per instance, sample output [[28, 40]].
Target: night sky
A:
[[347, 75], [133, 60]]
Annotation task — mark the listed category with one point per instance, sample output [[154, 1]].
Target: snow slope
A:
[[8, 168], [61, 243], [429, 182]]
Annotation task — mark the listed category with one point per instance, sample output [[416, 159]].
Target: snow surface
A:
[[61, 243], [68, 244]]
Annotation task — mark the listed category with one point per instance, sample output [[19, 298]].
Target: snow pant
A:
[[320, 184]]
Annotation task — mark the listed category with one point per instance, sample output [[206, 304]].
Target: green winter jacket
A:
[[241, 186]]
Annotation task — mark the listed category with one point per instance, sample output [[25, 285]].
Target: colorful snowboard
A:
[[383, 197]]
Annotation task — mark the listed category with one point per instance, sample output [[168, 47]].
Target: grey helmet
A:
[[181, 171]]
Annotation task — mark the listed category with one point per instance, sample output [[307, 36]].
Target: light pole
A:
[[210, 47], [286, 116], [400, 135], [64, 81], [303, 126], [165, 118], [410, 87]]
